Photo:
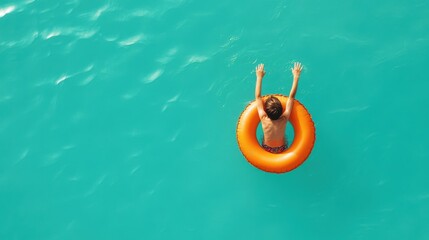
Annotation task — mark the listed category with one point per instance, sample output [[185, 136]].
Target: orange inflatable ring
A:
[[295, 155]]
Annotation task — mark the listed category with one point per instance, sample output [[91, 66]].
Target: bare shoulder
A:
[[283, 119], [265, 120]]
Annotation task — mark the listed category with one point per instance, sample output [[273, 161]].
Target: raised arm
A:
[[259, 103], [296, 71]]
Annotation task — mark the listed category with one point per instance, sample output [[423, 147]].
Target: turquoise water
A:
[[117, 119]]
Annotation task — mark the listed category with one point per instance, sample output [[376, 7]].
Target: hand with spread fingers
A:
[[296, 70], [260, 72]]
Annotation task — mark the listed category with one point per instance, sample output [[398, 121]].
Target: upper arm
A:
[[260, 106], [289, 105]]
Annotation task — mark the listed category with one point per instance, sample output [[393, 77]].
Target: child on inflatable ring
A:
[[271, 114]]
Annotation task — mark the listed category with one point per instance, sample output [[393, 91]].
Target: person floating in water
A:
[[273, 118]]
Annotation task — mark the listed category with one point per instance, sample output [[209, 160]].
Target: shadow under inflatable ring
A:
[[295, 155]]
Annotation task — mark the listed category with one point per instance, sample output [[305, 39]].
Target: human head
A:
[[273, 107]]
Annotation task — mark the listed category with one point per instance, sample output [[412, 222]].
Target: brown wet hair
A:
[[273, 108]]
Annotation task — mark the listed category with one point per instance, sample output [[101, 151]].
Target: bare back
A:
[[274, 131]]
